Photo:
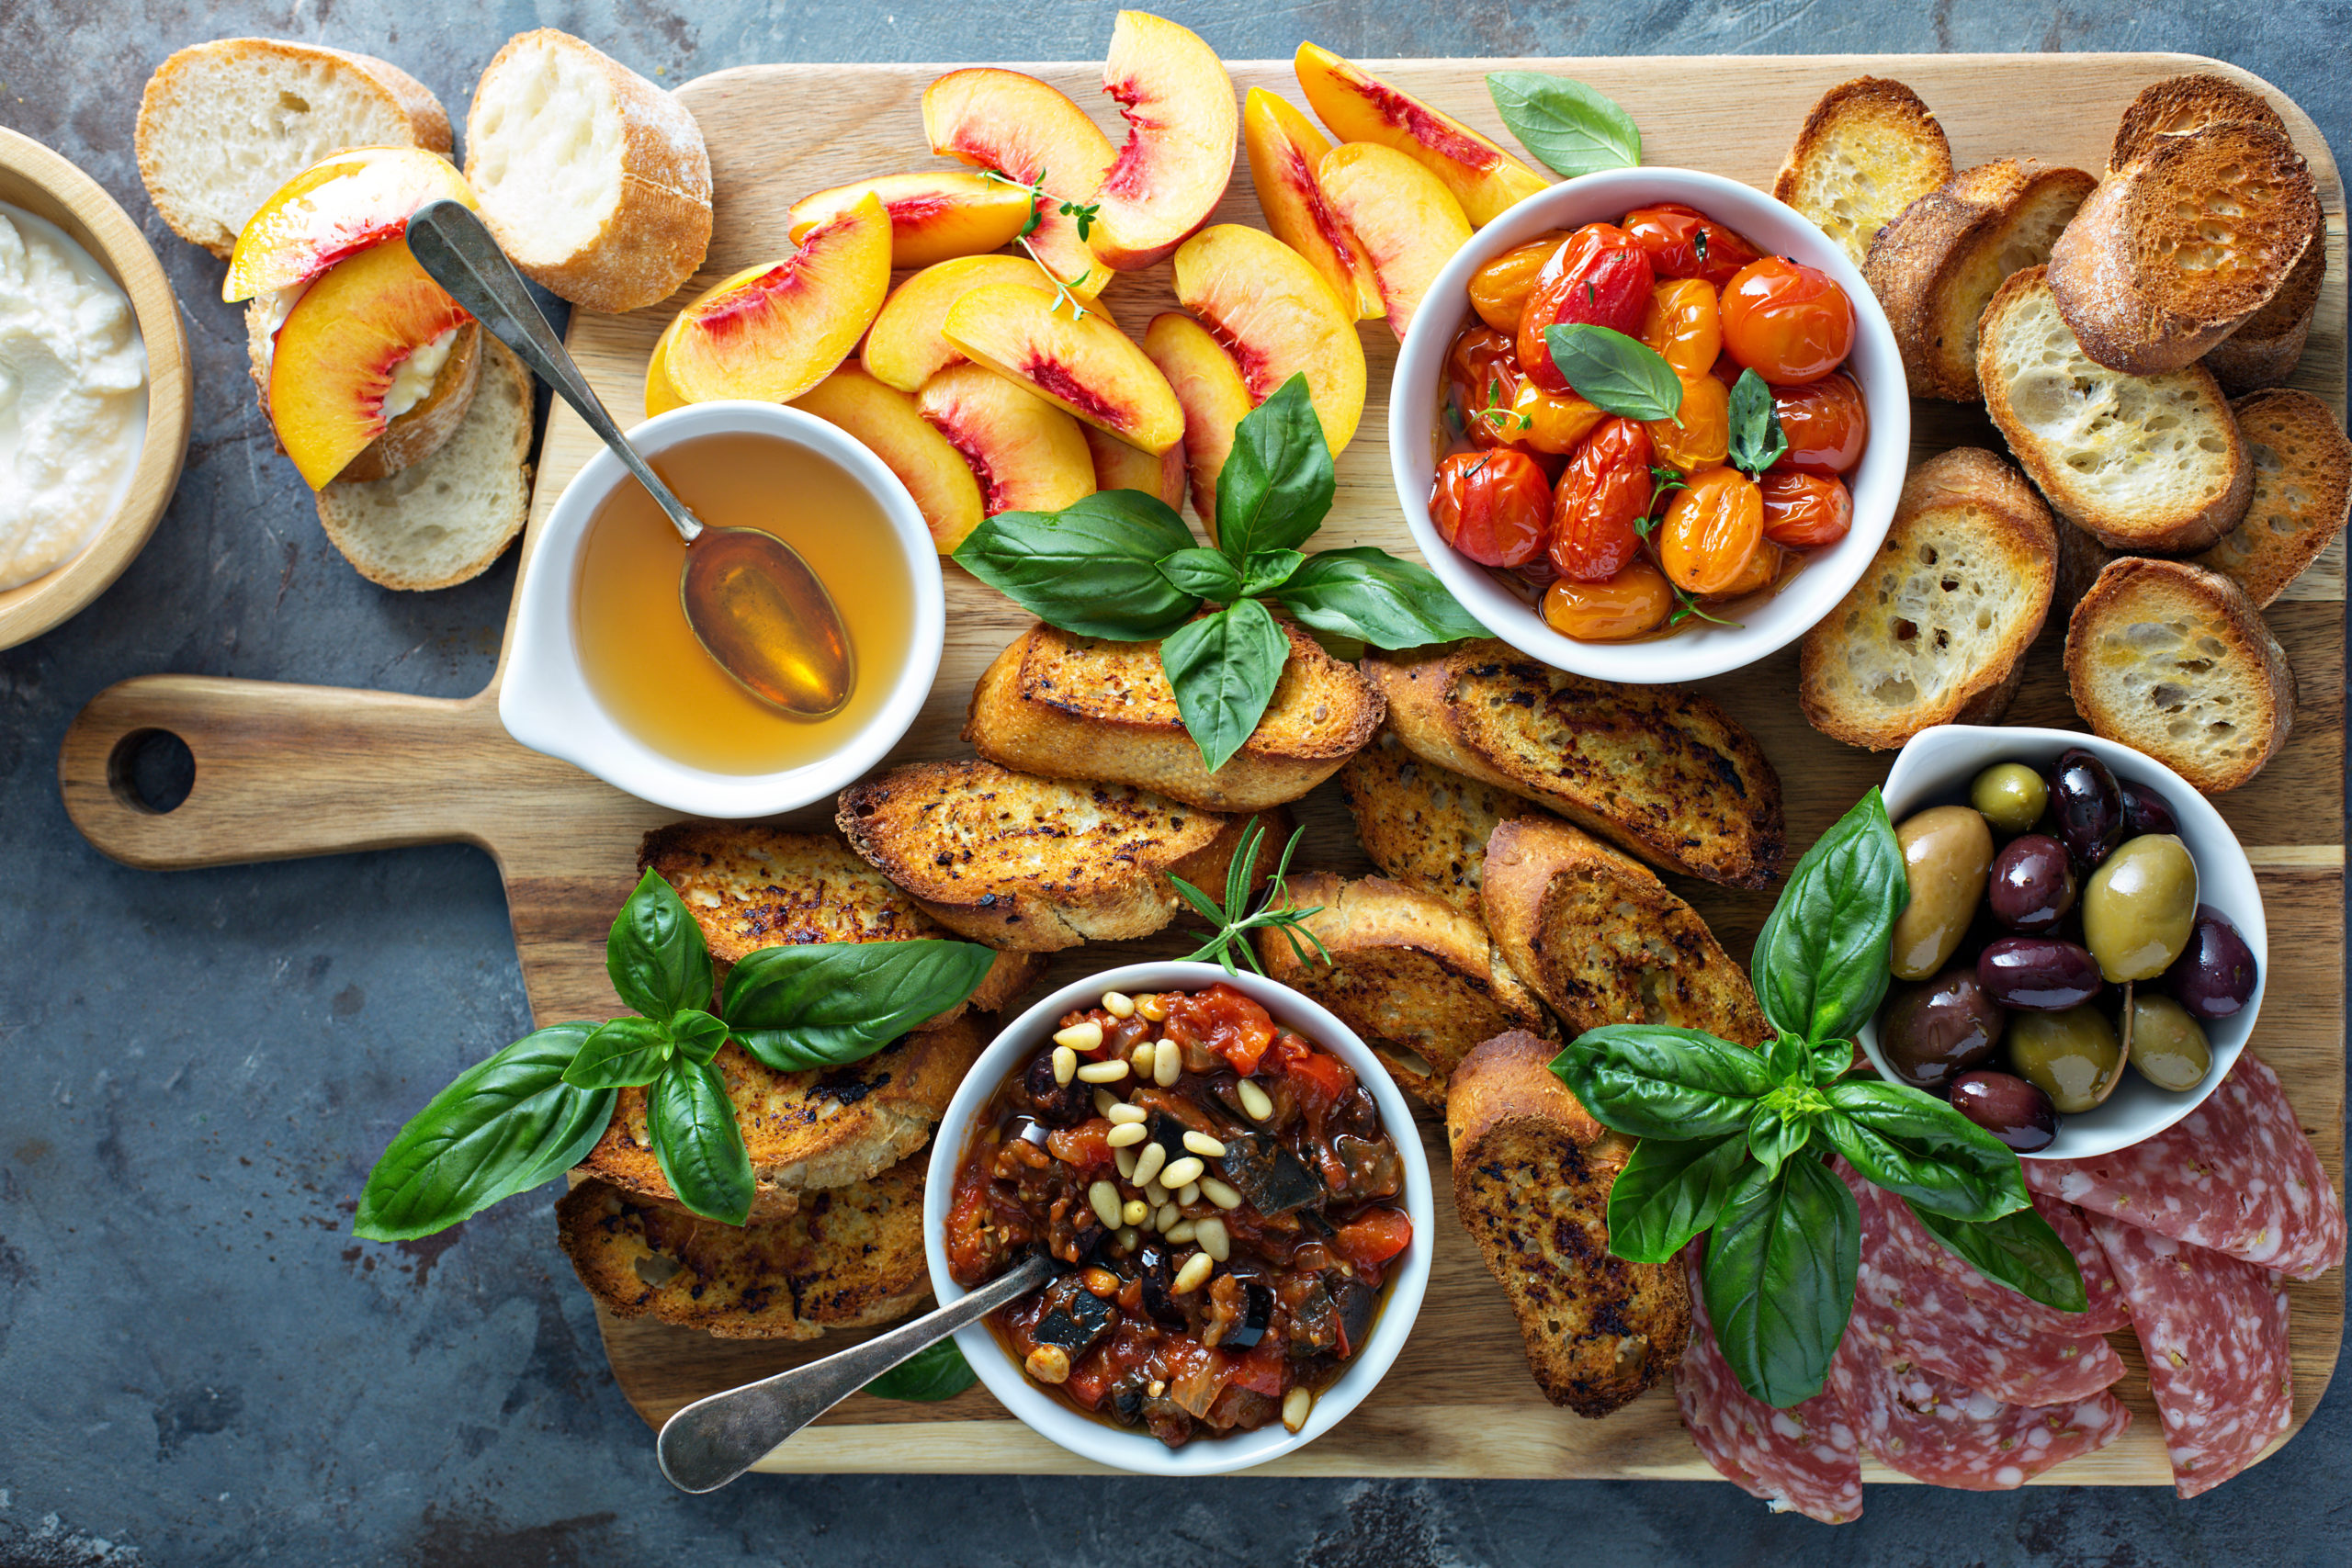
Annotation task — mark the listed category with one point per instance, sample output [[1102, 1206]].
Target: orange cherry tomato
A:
[[1699, 435], [1681, 323], [1713, 526], [1495, 507], [1805, 512], [1551, 422], [1499, 290], [1728, 370], [1599, 277], [1827, 423], [1481, 378], [1762, 568], [1682, 242], [1604, 495], [1784, 320], [1632, 604]]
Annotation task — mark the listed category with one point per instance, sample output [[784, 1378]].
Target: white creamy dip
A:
[[72, 397]]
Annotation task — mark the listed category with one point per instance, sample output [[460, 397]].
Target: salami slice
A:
[[2214, 1329], [1920, 1320], [1922, 1253], [1939, 1431], [1803, 1459], [2235, 1175]]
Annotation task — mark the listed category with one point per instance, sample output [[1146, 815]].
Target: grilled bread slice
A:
[[1935, 629], [1937, 264], [2146, 463], [849, 1258], [2180, 105], [1421, 823], [750, 887], [1532, 1175], [2174, 660], [1869, 149], [1660, 770], [2302, 492], [816, 1129], [1411, 974], [1601, 940], [1078, 707]]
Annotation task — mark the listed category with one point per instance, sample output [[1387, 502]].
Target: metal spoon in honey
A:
[[754, 605]]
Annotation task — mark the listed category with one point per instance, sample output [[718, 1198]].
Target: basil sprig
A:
[[534, 1110], [1735, 1142], [935, 1373], [1569, 127], [1757, 439], [1122, 565], [1614, 373]]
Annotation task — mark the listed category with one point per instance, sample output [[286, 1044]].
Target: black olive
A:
[[2008, 1107], [2088, 806], [2145, 811], [1930, 1033]]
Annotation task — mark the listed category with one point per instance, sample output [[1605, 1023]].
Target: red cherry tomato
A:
[[1604, 493], [1683, 242], [1481, 378], [1495, 507], [1805, 512], [1635, 602], [1376, 1238], [1826, 423], [1713, 525], [1784, 320], [1601, 277]]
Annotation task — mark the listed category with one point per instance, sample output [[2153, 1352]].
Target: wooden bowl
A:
[[44, 184]]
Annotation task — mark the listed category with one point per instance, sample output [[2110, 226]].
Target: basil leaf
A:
[[697, 1142], [1778, 1278], [1092, 568], [1920, 1148], [1369, 594], [1268, 569], [825, 1004], [1224, 669], [1831, 1059], [655, 953], [1779, 1129], [1204, 574], [505, 1124], [627, 1052], [936, 1372], [1615, 373], [1671, 1190], [1650, 1081], [1569, 127], [1757, 439], [1820, 964], [1786, 1059], [2020, 1249], [698, 1035], [1277, 483]]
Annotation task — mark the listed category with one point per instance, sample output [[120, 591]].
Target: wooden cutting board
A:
[[288, 770]]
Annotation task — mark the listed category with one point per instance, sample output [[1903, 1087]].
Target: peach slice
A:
[[1081, 365], [336, 208], [772, 332], [999, 119], [886, 422], [1271, 311], [1359, 107], [933, 216], [1284, 149], [1026, 454], [339, 349], [1209, 384], [1403, 215], [1118, 465], [1178, 102], [903, 348]]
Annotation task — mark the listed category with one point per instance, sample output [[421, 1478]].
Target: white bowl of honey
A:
[[604, 671]]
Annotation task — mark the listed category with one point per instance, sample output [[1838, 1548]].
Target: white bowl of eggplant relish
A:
[[1219, 1323]]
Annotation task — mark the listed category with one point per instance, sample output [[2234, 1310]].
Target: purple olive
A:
[[2215, 976], [2008, 1107], [2088, 806], [2145, 811], [1931, 1033], [2032, 884], [2039, 974]]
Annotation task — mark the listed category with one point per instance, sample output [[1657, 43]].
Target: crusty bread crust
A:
[[2178, 106], [2302, 488], [2267, 347], [1424, 824], [1869, 149]]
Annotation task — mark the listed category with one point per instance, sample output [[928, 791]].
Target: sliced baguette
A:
[[222, 124], [443, 520], [1603, 941], [2302, 490], [1935, 267], [1869, 149], [1659, 771], [2181, 106], [2146, 463], [413, 435], [1414, 975], [1532, 1175], [1071, 706], [1421, 823], [2174, 660], [594, 180], [1935, 629]]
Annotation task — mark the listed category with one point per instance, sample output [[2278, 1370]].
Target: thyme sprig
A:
[[1236, 921], [1087, 213]]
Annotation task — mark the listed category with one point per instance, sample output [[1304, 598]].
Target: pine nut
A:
[[1167, 1063], [1119, 1111], [1126, 1158], [1049, 1363], [831, 1108], [1105, 1196], [1169, 1214], [1189, 1194], [1084, 1035], [1154, 1193], [1194, 1274], [1156, 1387], [1141, 1058], [1180, 1171], [1217, 1193], [1204, 1146], [1111, 1071], [1103, 1101], [1065, 1063], [1126, 1135], [1136, 1211], [1214, 1239], [1126, 1238], [1154, 1007], [1147, 1160], [1253, 1101], [1296, 1405], [1182, 1231], [1118, 1004]]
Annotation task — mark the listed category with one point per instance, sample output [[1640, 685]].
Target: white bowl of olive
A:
[[2083, 956]]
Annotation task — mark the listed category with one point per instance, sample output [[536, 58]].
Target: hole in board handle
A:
[[151, 772]]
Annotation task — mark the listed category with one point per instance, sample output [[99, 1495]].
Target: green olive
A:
[[2138, 908], [2072, 1057], [1947, 853], [2010, 795], [2167, 1045]]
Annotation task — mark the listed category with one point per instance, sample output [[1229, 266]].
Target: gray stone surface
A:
[[201, 1366]]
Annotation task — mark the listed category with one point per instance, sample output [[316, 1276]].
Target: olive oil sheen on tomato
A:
[[641, 658]]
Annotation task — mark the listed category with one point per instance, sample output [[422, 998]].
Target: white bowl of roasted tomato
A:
[[1232, 1195], [1649, 425]]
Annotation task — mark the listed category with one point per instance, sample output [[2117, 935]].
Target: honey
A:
[[640, 658]]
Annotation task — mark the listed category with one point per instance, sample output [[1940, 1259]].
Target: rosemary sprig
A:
[[1236, 921]]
